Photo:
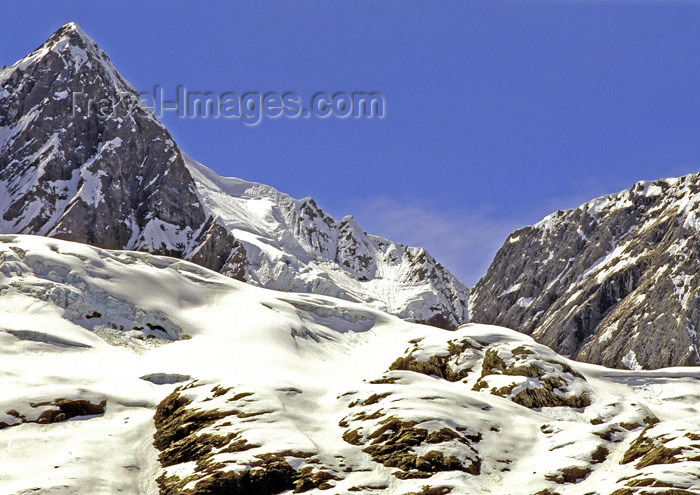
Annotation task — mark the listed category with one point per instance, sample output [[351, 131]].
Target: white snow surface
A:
[[77, 322]]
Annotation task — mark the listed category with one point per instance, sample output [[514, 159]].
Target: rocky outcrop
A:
[[81, 160], [531, 376], [195, 431], [56, 411], [613, 282]]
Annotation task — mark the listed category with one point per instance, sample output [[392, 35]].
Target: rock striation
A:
[[614, 282]]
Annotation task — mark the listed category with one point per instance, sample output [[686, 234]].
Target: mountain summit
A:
[[118, 180]]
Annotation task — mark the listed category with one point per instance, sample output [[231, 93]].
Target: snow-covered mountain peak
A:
[[68, 35], [113, 177], [73, 28], [74, 47]]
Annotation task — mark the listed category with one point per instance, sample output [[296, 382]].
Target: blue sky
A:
[[497, 113]]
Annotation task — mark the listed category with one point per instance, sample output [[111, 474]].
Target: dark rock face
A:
[[613, 282], [81, 161], [216, 248], [115, 181]]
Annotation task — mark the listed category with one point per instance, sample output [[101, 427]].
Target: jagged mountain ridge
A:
[[122, 183], [613, 282], [132, 373]]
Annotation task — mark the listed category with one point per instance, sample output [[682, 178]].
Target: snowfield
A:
[[124, 372]]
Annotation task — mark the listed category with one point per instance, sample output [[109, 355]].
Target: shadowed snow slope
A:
[[124, 372], [117, 180]]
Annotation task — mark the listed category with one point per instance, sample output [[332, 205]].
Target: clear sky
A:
[[497, 113]]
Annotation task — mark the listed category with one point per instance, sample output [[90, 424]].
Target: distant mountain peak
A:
[[69, 42]]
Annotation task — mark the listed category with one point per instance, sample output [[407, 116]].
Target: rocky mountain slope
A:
[[125, 372], [110, 175], [615, 281]]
